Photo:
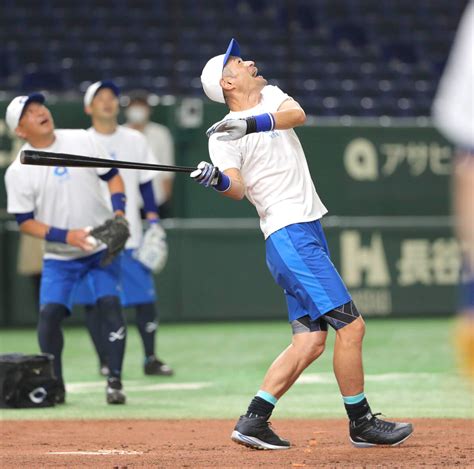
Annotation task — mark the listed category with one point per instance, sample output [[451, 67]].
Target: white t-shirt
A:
[[453, 108], [67, 198], [273, 167], [130, 145], [161, 142]]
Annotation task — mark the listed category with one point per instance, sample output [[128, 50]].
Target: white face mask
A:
[[137, 114]]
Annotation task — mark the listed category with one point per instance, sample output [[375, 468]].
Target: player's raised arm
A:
[[289, 115]]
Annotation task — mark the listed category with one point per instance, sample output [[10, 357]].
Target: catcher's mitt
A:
[[114, 233]]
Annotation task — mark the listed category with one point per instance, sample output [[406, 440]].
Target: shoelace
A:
[[382, 424]]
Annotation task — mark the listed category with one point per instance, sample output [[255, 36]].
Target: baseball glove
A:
[[153, 252], [114, 233]]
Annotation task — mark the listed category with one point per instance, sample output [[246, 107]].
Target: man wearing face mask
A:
[[101, 103], [161, 142]]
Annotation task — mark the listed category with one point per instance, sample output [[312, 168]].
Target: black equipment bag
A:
[[27, 381]]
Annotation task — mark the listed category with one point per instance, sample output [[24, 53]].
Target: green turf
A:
[[409, 366]]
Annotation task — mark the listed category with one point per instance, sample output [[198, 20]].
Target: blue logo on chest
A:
[[62, 173]]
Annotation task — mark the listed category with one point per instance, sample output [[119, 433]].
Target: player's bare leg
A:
[[347, 359], [365, 428], [288, 366], [253, 428], [464, 212]]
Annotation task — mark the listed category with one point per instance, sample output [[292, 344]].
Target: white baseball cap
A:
[[17, 106], [212, 72], [95, 87]]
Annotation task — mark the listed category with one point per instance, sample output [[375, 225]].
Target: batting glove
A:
[[234, 129], [209, 175], [205, 174]]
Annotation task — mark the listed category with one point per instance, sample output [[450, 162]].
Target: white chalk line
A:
[[100, 452], [134, 386], [328, 378]]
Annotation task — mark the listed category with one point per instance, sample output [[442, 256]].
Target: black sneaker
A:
[[59, 393], [256, 433], [371, 431], [156, 367], [114, 392]]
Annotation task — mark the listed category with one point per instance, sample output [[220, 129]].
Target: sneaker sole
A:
[[252, 442], [116, 399], [361, 444], [159, 373]]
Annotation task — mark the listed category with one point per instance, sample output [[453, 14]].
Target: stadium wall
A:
[[386, 186]]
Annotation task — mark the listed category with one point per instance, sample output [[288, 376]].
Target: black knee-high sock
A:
[[115, 331], [50, 334], [94, 324], [147, 324]]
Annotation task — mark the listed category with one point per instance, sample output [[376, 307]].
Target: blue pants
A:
[[137, 285], [60, 279], [298, 258]]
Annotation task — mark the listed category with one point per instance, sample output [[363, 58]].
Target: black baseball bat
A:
[[47, 158]]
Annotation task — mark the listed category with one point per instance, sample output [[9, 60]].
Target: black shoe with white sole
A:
[[256, 433], [370, 431], [114, 391], [154, 366]]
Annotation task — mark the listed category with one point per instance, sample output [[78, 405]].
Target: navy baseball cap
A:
[[98, 85]]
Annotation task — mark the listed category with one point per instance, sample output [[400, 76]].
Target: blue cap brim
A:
[[109, 84], [232, 49], [33, 98]]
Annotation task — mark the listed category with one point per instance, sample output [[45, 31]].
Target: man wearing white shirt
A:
[[59, 204], [138, 289], [453, 113], [256, 154]]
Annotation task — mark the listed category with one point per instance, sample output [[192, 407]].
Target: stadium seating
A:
[[347, 57]]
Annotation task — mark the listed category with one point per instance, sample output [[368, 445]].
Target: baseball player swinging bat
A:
[[46, 158]]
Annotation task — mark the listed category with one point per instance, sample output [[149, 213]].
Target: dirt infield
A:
[[205, 443]]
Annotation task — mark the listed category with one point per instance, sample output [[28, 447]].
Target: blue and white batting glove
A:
[[238, 128], [207, 175]]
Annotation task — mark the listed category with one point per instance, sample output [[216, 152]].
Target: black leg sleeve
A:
[[50, 334], [115, 332]]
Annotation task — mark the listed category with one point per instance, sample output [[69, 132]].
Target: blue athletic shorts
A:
[[137, 285], [298, 258], [60, 279]]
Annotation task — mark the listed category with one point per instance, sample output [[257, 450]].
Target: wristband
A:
[[260, 123], [118, 201], [223, 182], [56, 235]]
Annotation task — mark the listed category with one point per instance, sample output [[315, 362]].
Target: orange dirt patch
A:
[[124, 444]]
